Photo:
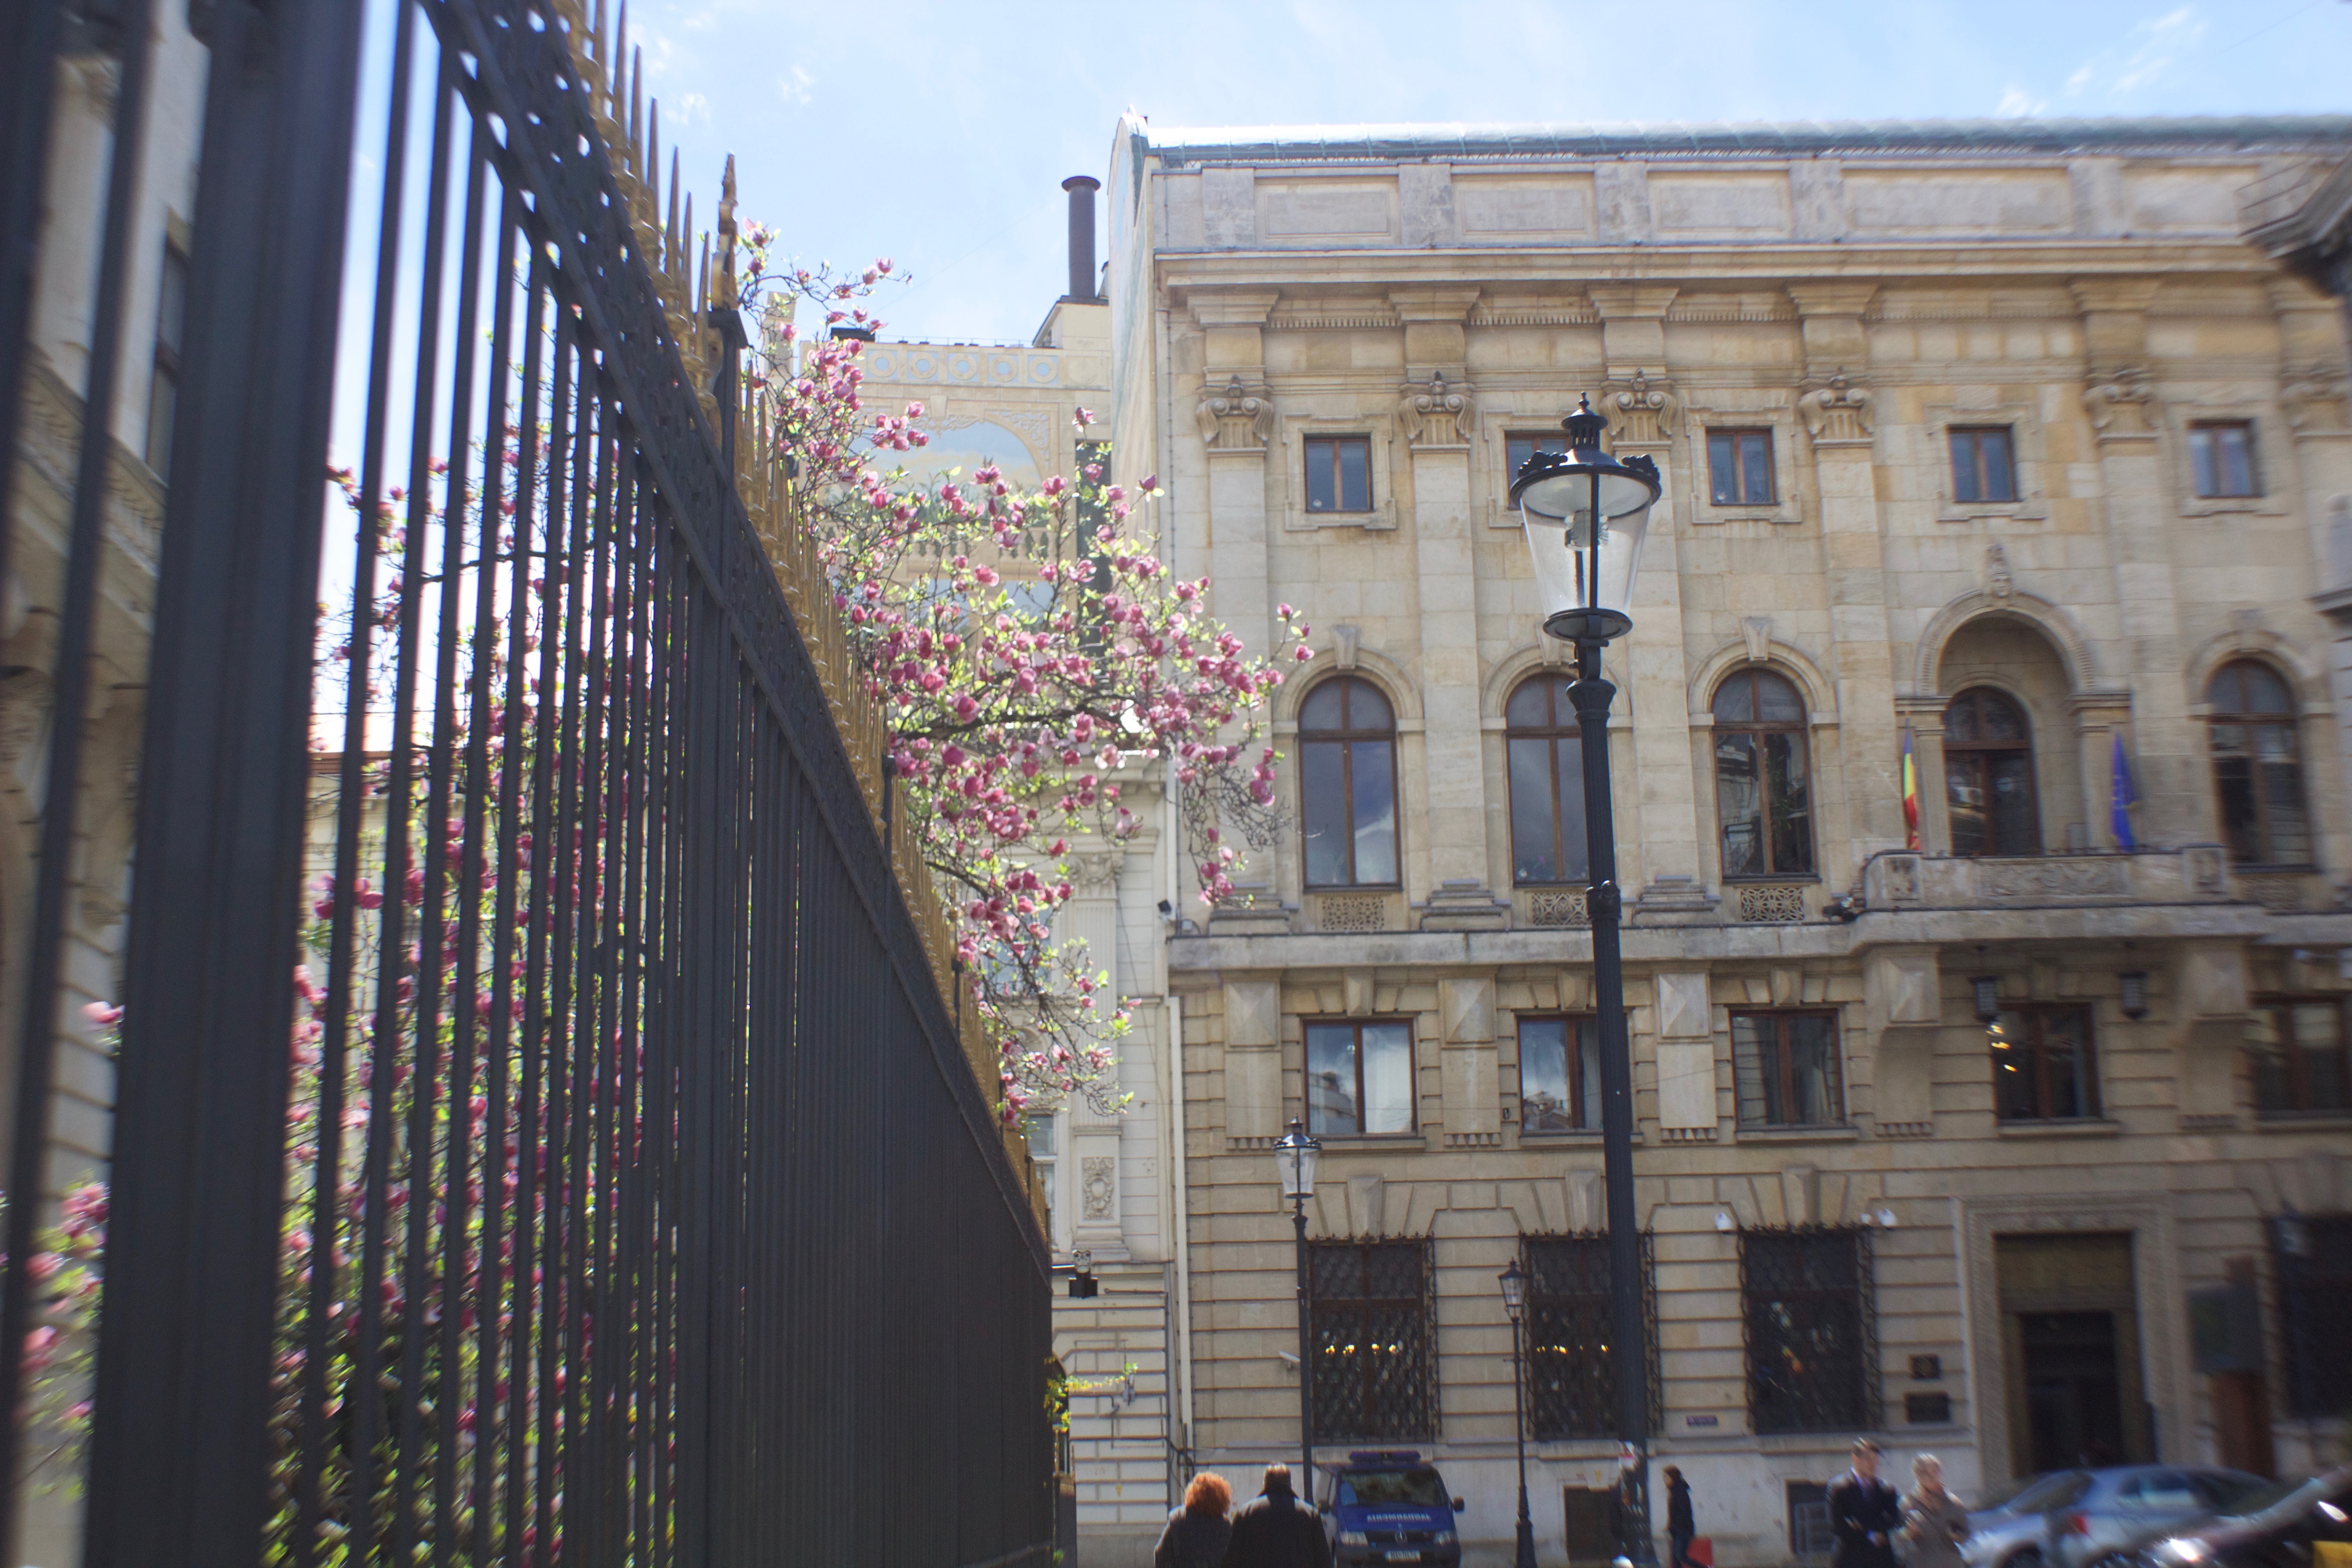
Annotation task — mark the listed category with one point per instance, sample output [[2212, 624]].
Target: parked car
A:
[[2070, 1519], [1390, 1506], [2281, 1525]]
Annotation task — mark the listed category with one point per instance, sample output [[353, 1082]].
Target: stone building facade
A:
[[1991, 446]]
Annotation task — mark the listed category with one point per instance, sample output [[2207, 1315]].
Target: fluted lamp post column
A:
[[1514, 1304], [1585, 514], [1294, 1154]]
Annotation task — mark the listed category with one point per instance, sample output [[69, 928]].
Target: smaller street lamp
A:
[[1295, 1156], [1514, 1304]]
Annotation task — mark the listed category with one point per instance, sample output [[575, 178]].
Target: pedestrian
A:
[[1679, 1528], [1627, 1520], [1933, 1522], [1864, 1514], [1197, 1532], [1275, 1530]]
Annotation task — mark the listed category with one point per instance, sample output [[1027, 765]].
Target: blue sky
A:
[[937, 133]]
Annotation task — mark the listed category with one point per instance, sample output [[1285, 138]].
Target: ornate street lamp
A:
[[1295, 1156], [1514, 1304], [1585, 514]]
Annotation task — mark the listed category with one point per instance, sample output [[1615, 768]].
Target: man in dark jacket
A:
[[1864, 1514], [1275, 1529], [1680, 1527]]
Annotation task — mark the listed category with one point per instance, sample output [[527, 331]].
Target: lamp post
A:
[[1295, 1156], [1514, 1304], [1585, 513]]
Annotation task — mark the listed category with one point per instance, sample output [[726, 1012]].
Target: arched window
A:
[[1547, 762], [1763, 778], [1347, 769], [1989, 776], [2258, 766]]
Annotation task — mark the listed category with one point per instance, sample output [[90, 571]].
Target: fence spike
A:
[[674, 256], [637, 106]]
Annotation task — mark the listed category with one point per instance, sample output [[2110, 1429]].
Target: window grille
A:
[[1571, 1377], [2311, 1258], [1809, 1308], [1372, 1314]]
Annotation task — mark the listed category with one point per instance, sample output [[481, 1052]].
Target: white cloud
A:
[[2017, 101], [2148, 51], [794, 85]]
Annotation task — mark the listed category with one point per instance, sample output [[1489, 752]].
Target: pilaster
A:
[[1234, 416], [1092, 916]]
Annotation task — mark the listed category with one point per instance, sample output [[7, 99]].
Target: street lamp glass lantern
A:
[[1515, 1290], [1295, 1156], [1585, 513]]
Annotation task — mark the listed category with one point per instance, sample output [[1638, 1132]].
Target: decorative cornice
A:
[[1239, 418], [1837, 413], [1437, 414]]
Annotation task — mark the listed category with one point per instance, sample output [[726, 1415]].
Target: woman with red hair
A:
[[1197, 1532]]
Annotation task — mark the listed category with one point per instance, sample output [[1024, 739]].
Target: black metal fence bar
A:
[[612, 1186]]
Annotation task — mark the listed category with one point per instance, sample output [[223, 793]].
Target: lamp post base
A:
[[1526, 1547]]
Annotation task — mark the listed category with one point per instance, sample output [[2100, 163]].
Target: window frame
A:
[[2310, 1292], [1974, 436], [2297, 1058], [2210, 430], [1737, 436], [1048, 1166], [1551, 440], [1331, 444], [1856, 1408], [1565, 851], [2034, 1041], [1983, 777], [1358, 1026], [1348, 737], [1780, 1057], [1580, 1060], [1758, 729], [1556, 1414], [1416, 1416], [164, 371], [2248, 719]]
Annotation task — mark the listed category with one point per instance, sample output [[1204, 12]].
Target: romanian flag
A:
[[1910, 796]]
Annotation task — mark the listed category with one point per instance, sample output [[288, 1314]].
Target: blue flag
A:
[[2119, 789]]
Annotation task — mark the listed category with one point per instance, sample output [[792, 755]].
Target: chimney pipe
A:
[[1082, 189]]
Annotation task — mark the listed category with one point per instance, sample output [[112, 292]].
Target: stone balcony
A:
[[2196, 875]]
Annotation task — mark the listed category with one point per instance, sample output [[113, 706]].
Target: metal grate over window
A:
[[2312, 1259], [1373, 1314], [1810, 1315], [1571, 1376]]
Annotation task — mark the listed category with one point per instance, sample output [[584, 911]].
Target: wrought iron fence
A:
[[542, 1132]]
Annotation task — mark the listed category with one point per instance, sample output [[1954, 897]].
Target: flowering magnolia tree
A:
[[1034, 658]]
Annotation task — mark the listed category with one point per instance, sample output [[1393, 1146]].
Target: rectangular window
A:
[[1339, 473], [170, 323], [1983, 467], [1786, 1069], [2043, 1068], [1808, 1300], [1739, 467], [1517, 449], [1571, 1376], [1371, 1336], [2311, 1258], [1039, 1130], [1559, 1075], [2222, 458], [1360, 1080], [2301, 1061]]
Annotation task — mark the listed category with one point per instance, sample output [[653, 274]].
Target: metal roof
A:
[[1391, 144]]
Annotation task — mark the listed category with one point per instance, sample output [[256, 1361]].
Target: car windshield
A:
[[2266, 1497], [2038, 1494], [1376, 1489]]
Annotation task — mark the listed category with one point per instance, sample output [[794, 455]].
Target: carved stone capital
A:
[[1095, 874], [2313, 398], [1836, 412], [1437, 413], [2117, 402], [1644, 412], [1238, 418]]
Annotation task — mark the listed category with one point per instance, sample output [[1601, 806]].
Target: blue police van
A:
[[1389, 1506]]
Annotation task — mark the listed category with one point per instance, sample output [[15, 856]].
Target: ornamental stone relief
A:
[[1099, 1186], [1236, 418]]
